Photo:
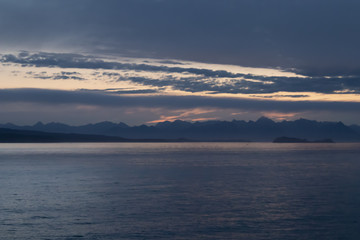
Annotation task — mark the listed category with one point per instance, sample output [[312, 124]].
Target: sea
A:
[[249, 191]]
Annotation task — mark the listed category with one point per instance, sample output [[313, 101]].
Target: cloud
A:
[[57, 97], [68, 60], [170, 62], [56, 76], [279, 95], [263, 85], [126, 91], [205, 80]]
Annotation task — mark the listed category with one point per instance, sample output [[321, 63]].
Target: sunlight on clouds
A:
[[186, 115], [41, 77], [139, 76], [280, 116], [305, 96]]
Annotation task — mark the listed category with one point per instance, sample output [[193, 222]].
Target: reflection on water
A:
[[180, 191]]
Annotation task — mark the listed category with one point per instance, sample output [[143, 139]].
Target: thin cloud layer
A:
[[56, 76], [56, 97], [66, 60]]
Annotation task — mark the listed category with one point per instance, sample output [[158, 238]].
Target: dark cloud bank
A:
[[57, 97], [317, 38]]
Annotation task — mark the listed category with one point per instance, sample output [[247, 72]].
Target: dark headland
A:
[[25, 136]]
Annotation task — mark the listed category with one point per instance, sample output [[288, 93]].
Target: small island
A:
[[300, 140]]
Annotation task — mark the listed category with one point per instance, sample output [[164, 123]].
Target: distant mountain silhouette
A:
[[356, 128], [264, 129]]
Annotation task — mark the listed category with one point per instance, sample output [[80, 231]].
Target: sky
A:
[[147, 61]]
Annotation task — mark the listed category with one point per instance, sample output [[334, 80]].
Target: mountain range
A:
[[264, 129]]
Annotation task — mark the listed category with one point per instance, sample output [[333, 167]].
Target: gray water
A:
[[180, 191]]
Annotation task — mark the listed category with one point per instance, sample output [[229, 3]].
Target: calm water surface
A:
[[249, 191]]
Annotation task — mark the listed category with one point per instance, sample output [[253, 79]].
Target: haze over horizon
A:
[[150, 61]]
